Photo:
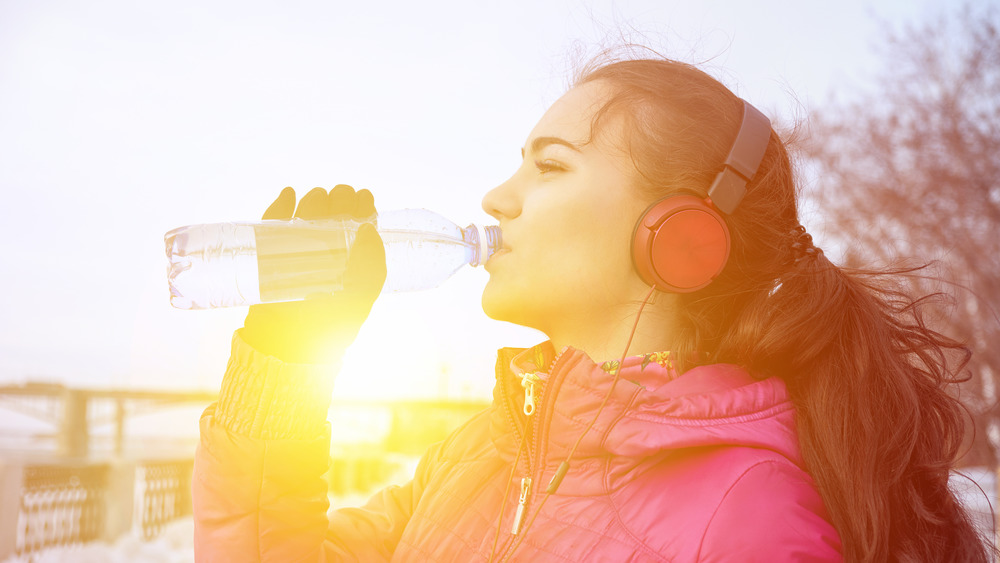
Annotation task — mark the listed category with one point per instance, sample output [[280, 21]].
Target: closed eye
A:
[[546, 166]]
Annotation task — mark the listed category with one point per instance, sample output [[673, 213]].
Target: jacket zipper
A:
[[523, 499], [535, 440], [513, 424], [528, 381], [531, 398], [521, 504]]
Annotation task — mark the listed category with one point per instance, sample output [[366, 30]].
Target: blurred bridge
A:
[[73, 412]]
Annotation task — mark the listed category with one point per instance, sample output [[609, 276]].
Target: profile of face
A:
[[567, 216]]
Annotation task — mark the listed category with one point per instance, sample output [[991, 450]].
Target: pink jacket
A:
[[701, 467]]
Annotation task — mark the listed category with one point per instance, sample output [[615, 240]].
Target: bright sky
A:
[[122, 119]]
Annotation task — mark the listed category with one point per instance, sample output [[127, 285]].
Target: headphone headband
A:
[[730, 185]]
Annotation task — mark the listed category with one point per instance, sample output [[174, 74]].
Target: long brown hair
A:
[[878, 429]]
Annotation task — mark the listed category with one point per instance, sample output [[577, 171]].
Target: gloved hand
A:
[[321, 327]]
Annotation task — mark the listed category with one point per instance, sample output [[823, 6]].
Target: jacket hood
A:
[[651, 409]]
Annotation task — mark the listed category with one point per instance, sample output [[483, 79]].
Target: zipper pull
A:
[[528, 382], [521, 502]]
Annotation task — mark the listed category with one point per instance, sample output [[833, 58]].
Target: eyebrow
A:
[[541, 142]]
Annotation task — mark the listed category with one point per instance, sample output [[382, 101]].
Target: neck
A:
[[604, 336]]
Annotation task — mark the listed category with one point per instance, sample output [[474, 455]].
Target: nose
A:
[[503, 201]]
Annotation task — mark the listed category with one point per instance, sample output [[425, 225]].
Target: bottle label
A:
[[294, 261]]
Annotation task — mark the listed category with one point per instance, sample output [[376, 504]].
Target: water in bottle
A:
[[243, 263]]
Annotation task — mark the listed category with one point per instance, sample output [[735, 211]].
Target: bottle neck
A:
[[482, 241]]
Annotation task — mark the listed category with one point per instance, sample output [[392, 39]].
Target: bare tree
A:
[[912, 169]]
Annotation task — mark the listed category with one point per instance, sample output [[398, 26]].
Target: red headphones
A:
[[681, 243]]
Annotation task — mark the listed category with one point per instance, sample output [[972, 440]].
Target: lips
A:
[[504, 250]]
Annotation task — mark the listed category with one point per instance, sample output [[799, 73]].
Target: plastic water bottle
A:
[[244, 263]]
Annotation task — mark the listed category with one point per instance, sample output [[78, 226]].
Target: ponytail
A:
[[878, 429]]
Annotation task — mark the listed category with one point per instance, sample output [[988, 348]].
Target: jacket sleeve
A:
[[258, 491], [772, 513]]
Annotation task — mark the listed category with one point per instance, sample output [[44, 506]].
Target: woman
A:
[[742, 399]]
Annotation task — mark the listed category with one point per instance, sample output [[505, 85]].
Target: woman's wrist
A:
[[265, 397]]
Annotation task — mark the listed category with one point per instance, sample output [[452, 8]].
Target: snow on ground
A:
[[175, 543]]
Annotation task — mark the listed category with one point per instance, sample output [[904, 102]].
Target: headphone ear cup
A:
[[680, 244]]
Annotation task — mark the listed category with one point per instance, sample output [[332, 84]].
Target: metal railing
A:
[[163, 493], [64, 503], [72, 485], [60, 506]]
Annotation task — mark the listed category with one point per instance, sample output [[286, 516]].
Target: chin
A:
[[507, 307], [494, 304]]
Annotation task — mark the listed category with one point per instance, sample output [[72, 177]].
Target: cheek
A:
[[589, 261], [603, 269], [605, 238]]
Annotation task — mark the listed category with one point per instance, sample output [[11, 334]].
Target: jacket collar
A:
[[650, 411]]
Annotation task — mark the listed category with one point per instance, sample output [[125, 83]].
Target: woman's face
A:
[[567, 216]]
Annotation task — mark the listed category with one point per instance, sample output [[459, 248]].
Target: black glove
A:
[[321, 327]]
